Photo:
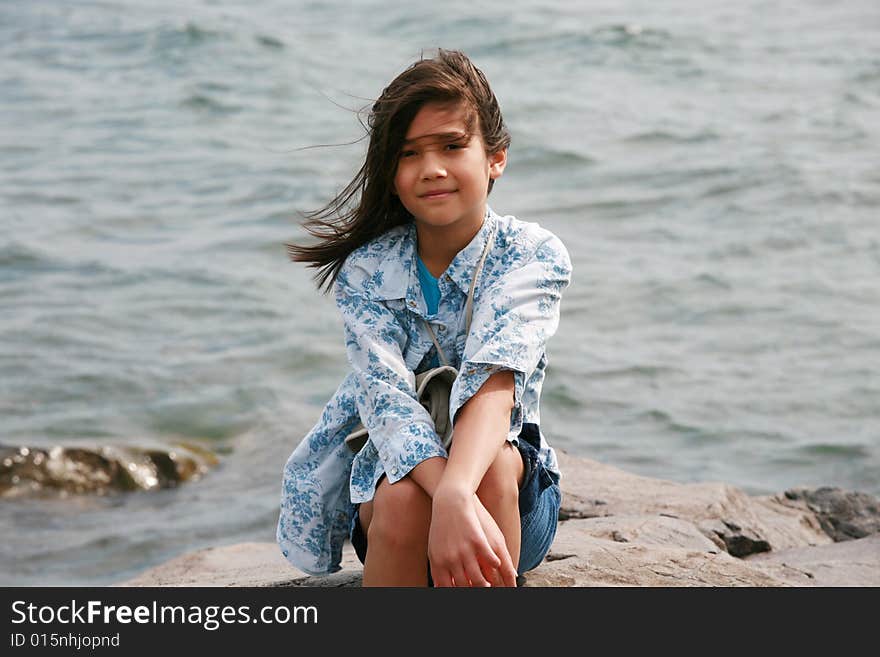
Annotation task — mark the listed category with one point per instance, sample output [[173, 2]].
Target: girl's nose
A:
[[432, 166]]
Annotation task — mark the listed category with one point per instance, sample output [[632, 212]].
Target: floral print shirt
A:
[[515, 311]]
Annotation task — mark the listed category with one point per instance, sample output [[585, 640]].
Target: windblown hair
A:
[[367, 208]]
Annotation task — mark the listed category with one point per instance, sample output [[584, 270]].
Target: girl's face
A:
[[442, 175]]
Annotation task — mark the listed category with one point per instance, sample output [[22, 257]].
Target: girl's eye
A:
[[453, 147], [407, 153]]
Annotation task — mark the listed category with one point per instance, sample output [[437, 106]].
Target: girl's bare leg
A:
[[396, 523], [398, 519], [499, 493]]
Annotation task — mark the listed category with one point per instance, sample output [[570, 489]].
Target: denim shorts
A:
[[539, 499]]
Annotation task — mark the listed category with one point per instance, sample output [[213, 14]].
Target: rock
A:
[[578, 558], [244, 564], [620, 529], [855, 562], [843, 515], [735, 522], [30, 471], [646, 530], [732, 538]]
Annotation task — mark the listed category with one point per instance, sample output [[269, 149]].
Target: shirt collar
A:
[[396, 277], [462, 268]]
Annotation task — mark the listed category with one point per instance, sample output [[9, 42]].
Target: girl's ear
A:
[[497, 162]]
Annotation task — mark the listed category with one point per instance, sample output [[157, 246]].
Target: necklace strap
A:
[[469, 305]]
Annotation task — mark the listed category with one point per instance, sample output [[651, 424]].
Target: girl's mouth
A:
[[438, 194]]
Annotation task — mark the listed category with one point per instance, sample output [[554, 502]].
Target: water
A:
[[711, 167]]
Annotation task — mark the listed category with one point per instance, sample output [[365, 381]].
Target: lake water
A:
[[711, 167]]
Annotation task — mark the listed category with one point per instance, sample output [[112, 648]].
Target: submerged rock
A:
[[34, 471]]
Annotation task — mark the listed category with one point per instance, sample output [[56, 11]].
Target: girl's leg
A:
[[396, 523], [499, 493]]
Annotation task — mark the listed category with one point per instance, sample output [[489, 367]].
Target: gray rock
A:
[[619, 529], [844, 515], [737, 523], [244, 564], [854, 562], [738, 542], [645, 530], [578, 558]]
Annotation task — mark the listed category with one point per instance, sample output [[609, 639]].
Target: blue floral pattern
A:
[[515, 312]]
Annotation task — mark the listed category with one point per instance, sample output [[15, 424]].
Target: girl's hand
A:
[[465, 545]]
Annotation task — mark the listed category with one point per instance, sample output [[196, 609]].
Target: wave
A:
[[662, 137], [533, 157], [204, 103], [851, 450]]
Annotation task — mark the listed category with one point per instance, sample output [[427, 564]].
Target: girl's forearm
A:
[[428, 474], [481, 429]]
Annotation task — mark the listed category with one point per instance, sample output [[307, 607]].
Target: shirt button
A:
[[441, 328], [394, 470]]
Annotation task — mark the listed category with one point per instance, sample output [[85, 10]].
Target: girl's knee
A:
[[502, 480], [401, 514]]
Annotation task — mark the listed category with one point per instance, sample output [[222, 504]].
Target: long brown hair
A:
[[366, 208]]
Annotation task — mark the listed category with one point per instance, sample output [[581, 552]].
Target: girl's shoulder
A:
[[379, 263], [514, 228], [379, 248], [525, 241]]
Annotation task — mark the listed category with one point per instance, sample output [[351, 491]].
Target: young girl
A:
[[424, 274]]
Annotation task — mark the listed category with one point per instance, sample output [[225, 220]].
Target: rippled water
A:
[[711, 167]]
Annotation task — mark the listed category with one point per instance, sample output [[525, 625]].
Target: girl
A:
[[424, 273]]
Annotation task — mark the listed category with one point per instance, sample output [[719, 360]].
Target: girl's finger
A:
[[441, 577], [507, 570], [494, 577], [508, 574], [488, 556], [475, 575], [490, 573], [460, 577], [505, 575], [505, 566]]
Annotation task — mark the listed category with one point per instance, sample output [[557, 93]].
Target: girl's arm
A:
[[512, 322], [511, 325], [507, 340], [466, 543], [481, 428], [400, 428]]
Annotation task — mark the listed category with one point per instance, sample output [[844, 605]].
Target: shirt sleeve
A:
[[511, 326], [400, 428]]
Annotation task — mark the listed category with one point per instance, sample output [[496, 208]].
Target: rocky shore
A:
[[621, 529]]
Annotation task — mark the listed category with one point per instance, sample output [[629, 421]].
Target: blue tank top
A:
[[431, 292]]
